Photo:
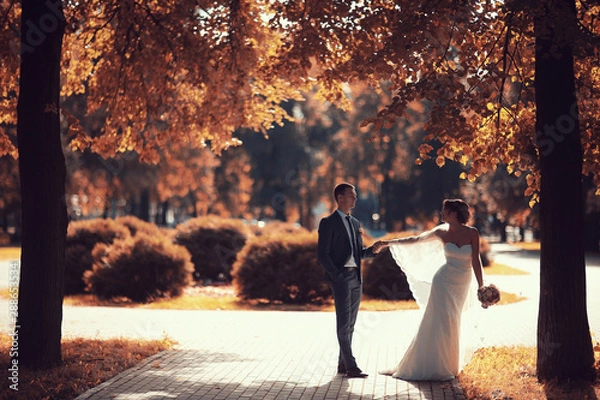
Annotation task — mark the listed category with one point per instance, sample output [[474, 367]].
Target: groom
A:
[[340, 250]]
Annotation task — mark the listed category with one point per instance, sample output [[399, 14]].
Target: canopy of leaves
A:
[[473, 61], [193, 72]]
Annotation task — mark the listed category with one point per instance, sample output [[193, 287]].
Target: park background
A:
[[503, 87], [268, 193], [287, 174]]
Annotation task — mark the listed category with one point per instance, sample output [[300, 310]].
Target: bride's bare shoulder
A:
[[473, 232]]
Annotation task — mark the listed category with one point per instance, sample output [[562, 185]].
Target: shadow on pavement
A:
[[201, 374], [339, 384]]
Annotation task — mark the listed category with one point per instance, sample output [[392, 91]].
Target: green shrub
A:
[[382, 278], [82, 236], [281, 268], [141, 268], [135, 225], [214, 243]]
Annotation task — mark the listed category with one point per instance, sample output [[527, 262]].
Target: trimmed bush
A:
[[281, 268], [142, 268], [82, 236], [214, 243], [276, 227], [135, 225], [382, 278]]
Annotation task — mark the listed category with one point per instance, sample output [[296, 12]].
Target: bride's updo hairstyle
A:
[[460, 207]]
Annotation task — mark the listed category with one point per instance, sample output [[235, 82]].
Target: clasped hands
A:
[[379, 245]]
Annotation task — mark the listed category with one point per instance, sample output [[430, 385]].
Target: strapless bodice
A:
[[458, 255]]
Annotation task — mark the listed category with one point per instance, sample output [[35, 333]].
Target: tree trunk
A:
[[279, 203], [394, 203], [564, 343], [164, 209], [144, 213], [503, 235], [192, 197], [42, 175]]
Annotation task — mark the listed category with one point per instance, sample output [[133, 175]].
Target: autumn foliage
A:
[[221, 68], [211, 60]]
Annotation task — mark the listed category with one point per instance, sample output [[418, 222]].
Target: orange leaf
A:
[[440, 161]]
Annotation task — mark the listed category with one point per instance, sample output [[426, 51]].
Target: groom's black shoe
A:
[[355, 373], [342, 369]]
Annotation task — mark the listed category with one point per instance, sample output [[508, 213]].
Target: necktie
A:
[[352, 237]]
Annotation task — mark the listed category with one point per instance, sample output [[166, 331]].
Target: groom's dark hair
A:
[[340, 188]]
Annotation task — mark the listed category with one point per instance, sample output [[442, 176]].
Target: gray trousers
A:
[[346, 295]]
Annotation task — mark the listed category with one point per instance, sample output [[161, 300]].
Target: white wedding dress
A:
[[440, 278]]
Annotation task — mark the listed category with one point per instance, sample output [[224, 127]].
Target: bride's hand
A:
[[379, 245]]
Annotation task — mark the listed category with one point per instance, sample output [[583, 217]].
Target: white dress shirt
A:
[[351, 263]]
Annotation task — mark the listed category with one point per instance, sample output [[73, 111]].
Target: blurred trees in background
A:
[[482, 85], [131, 78], [287, 175]]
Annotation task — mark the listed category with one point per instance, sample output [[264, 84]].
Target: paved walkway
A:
[[292, 355]]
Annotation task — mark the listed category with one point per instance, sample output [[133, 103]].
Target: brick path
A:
[[292, 355], [270, 355]]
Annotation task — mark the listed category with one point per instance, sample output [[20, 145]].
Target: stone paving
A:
[[292, 355], [271, 355]]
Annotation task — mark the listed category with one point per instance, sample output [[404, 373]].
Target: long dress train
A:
[[437, 352]]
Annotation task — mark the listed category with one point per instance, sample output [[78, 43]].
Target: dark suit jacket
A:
[[334, 247]]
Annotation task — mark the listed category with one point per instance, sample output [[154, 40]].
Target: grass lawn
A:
[[528, 245], [502, 269], [224, 298], [10, 253]]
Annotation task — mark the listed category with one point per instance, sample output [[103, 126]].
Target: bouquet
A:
[[488, 295]]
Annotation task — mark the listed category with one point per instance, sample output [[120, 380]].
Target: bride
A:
[[435, 352]]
